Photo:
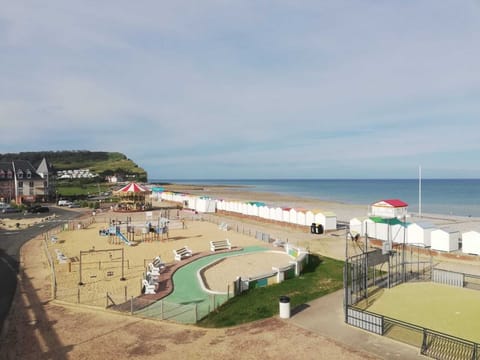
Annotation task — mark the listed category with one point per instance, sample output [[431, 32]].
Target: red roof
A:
[[393, 202], [132, 188]]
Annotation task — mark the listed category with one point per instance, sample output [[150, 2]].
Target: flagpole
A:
[[420, 191]]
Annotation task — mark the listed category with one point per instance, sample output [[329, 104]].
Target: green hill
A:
[[100, 162]]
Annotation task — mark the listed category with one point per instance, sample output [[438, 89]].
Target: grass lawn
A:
[[320, 277]]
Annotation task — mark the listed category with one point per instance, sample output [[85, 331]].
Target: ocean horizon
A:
[[459, 197]]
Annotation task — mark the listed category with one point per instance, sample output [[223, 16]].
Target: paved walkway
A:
[[325, 316]]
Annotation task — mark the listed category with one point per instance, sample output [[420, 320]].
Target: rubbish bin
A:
[[284, 307], [320, 229], [313, 228]]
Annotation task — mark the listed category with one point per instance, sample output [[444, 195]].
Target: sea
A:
[[458, 197]]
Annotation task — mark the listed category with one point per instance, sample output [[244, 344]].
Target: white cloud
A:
[[242, 88]]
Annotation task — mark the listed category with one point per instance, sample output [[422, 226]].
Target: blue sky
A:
[[247, 89]]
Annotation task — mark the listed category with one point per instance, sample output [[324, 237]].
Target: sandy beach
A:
[[62, 329]]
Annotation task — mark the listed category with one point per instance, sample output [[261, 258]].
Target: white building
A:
[[471, 242], [391, 208], [445, 239], [420, 234]]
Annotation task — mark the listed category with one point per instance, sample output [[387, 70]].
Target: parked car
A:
[[64, 203], [73, 205], [10, 209], [37, 209]]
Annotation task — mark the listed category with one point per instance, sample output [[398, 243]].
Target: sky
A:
[[247, 89]]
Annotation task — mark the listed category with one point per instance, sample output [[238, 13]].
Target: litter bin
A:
[[284, 307], [320, 229], [313, 228]]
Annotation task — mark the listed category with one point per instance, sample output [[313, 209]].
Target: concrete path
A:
[[325, 316]]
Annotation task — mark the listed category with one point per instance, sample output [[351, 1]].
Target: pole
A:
[[80, 270], [123, 267], [420, 191]]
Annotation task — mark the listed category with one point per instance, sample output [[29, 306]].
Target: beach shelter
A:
[[390, 208], [286, 214], [471, 242], [445, 240], [205, 204], [420, 234]]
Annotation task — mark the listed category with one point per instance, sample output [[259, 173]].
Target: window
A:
[[9, 174], [20, 184], [20, 174], [2, 174], [29, 174], [31, 184]]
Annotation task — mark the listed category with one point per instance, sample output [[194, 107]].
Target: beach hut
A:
[[264, 212], [390, 208], [276, 213], [445, 239], [391, 229], [205, 205], [356, 225], [292, 219], [286, 214], [301, 217], [327, 219], [420, 234], [471, 242]]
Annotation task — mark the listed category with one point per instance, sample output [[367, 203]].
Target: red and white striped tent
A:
[[132, 188]]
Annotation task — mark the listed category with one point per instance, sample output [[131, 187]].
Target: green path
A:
[[188, 296]]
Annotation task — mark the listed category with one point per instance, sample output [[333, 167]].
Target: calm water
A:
[[439, 196]]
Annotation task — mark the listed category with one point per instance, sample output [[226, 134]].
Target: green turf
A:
[[447, 309]]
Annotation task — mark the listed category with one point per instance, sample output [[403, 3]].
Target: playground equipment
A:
[[93, 251], [114, 231]]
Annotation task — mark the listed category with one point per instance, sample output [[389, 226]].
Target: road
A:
[[10, 244]]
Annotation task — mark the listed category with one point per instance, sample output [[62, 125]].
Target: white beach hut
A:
[[264, 212], [301, 217], [390, 208], [445, 240], [205, 205], [327, 219], [293, 216], [356, 226], [420, 234], [286, 214], [277, 214], [471, 242]]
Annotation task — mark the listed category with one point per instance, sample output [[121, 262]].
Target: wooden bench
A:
[[220, 245], [182, 253]]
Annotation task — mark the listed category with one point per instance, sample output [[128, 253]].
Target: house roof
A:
[[396, 203]]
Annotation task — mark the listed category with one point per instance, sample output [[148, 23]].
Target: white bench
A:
[[220, 245], [182, 253], [223, 226], [149, 289], [62, 259], [158, 263]]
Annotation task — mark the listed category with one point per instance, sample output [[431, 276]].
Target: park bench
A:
[[158, 263], [220, 245], [182, 253], [62, 259], [148, 288], [223, 226]]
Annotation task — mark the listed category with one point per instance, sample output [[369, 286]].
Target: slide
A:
[[123, 237]]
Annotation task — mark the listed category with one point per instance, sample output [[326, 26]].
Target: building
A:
[[21, 183]]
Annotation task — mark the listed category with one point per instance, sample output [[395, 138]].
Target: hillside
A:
[[99, 162]]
